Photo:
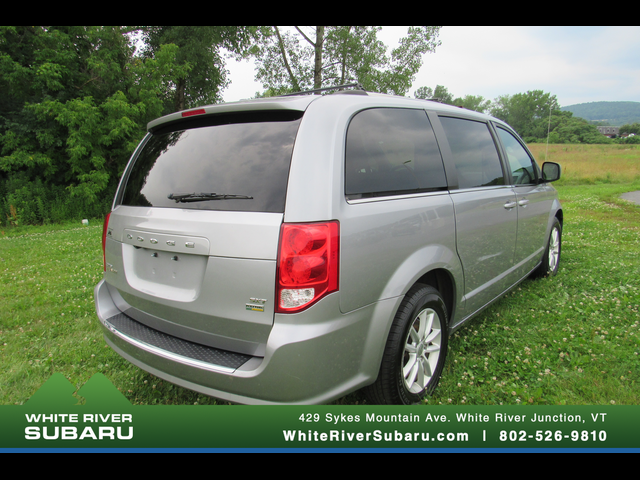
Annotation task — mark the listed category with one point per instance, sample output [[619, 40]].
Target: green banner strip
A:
[[322, 427], [51, 419]]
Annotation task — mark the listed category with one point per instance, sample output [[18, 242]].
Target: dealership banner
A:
[[51, 421]]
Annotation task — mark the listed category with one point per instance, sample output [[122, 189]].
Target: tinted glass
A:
[[474, 153], [523, 168], [248, 158], [392, 151]]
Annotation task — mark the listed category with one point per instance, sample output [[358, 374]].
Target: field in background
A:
[[570, 339], [590, 164]]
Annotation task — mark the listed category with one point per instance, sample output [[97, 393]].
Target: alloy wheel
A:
[[422, 350]]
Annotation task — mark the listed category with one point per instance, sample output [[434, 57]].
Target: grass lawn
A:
[[570, 339]]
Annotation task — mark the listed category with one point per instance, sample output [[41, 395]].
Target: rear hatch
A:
[[191, 244]]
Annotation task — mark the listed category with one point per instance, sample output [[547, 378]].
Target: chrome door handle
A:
[[523, 203], [509, 205]]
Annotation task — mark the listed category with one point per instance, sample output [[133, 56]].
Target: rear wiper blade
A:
[[201, 197]]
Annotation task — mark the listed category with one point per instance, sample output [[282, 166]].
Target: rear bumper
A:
[[312, 357]]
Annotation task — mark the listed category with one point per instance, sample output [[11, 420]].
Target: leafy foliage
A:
[[335, 55], [441, 94], [633, 128], [76, 103], [76, 99], [202, 76], [526, 112], [534, 115], [559, 127]]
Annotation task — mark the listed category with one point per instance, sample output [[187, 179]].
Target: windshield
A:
[[241, 161]]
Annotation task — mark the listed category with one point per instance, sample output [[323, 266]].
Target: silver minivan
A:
[[291, 250]]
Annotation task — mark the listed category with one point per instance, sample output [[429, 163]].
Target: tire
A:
[[551, 258], [415, 352]]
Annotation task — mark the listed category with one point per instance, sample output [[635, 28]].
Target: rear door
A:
[[192, 240]]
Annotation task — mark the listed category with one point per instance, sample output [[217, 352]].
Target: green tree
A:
[[473, 102], [311, 57], [76, 102], [523, 111], [630, 128], [634, 139], [424, 93], [201, 58], [565, 128], [442, 94]]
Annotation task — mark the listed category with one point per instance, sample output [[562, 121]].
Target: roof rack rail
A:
[[356, 86]]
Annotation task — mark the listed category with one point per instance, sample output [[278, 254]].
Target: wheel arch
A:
[[443, 282], [435, 265]]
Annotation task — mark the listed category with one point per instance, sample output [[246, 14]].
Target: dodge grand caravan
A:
[[295, 249]]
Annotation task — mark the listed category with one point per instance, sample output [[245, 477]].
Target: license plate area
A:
[[166, 274]]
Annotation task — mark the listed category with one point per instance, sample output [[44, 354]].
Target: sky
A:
[[576, 64]]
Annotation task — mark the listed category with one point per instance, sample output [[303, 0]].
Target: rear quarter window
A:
[[392, 151], [246, 155]]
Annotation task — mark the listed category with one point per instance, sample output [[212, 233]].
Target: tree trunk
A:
[[317, 71], [292, 78], [180, 94]]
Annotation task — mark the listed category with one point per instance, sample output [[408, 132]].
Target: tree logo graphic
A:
[[53, 414], [98, 392]]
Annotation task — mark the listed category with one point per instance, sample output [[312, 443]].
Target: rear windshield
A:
[[234, 162]]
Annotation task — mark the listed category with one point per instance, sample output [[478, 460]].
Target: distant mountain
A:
[[614, 113]]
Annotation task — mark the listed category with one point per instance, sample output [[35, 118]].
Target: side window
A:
[[523, 168], [392, 151], [474, 152]]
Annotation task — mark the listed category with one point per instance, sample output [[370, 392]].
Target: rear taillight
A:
[[104, 240], [307, 264]]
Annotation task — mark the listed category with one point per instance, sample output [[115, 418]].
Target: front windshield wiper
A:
[[201, 197]]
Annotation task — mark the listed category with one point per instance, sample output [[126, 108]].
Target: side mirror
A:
[[550, 171]]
